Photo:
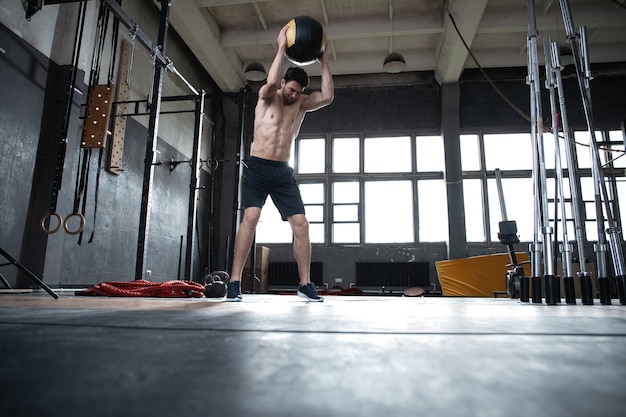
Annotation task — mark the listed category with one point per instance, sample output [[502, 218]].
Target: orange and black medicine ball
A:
[[306, 40]]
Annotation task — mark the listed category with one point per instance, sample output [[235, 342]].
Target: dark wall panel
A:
[[31, 109], [415, 107], [23, 74], [482, 107], [113, 252]]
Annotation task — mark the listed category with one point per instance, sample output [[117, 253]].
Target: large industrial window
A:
[[360, 189], [512, 154]]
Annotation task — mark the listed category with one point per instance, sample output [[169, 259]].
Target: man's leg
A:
[[302, 252], [301, 246], [243, 242]]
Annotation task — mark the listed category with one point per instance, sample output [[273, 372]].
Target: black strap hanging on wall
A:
[[45, 223], [113, 60], [84, 159], [82, 175]]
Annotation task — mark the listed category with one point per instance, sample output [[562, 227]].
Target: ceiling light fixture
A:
[[255, 71], [394, 62]]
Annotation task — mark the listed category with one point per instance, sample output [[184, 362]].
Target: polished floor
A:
[[277, 355]]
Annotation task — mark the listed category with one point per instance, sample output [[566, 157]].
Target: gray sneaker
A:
[[309, 292], [233, 293]]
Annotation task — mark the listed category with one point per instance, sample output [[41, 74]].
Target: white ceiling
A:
[[226, 35]]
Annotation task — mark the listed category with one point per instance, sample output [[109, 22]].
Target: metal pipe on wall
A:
[[151, 147], [193, 185], [239, 167]]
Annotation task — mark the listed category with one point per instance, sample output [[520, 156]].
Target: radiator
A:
[[392, 274], [286, 273]]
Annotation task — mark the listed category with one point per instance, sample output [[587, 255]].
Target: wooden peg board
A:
[[96, 125], [122, 93]]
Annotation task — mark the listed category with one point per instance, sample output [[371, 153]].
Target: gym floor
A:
[[277, 355]]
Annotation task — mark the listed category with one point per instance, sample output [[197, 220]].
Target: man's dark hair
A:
[[297, 74]]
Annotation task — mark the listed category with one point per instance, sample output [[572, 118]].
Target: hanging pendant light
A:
[[394, 62], [255, 71]]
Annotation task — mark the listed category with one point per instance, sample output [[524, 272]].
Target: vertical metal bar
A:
[[243, 97], [501, 194], [539, 171], [151, 146], [583, 275], [566, 246], [583, 75], [180, 255], [535, 247], [193, 185]]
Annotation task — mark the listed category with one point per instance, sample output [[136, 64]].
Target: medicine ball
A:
[[306, 40]]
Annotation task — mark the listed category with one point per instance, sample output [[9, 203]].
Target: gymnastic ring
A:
[[80, 228], [46, 216], [213, 164]]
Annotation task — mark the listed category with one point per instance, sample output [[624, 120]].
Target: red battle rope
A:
[[143, 288]]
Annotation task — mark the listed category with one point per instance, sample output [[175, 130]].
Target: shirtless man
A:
[[278, 116]]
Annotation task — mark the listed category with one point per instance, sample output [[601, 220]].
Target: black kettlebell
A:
[[215, 284]]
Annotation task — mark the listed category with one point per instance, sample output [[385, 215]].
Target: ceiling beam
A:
[[451, 53], [214, 3], [370, 63], [425, 24], [515, 19], [199, 35]]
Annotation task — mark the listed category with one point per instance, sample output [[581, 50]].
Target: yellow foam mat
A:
[[477, 276]]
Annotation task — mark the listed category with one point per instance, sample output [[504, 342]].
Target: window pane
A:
[[312, 193], [346, 192], [518, 200], [388, 212], [311, 156], [473, 200], [433, 211], [591, 231], [549, 151], [621, 196], [618, 154], [346, 155], [430, 154], [313, 198], [388, 154], [271, 228], [316, 232], [613, 155], [509, 151], [583, 151], [470, 153], [315, 213], [346, 233], [588, 196], [346, 213]]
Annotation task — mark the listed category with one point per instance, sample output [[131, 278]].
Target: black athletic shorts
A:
[[274, 178]]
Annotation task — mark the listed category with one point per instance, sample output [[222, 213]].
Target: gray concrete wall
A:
[[34, 73]]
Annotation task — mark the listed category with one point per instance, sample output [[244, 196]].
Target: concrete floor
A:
[[276, 355]]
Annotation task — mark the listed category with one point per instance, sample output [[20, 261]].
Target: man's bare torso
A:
[[276, 125]]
